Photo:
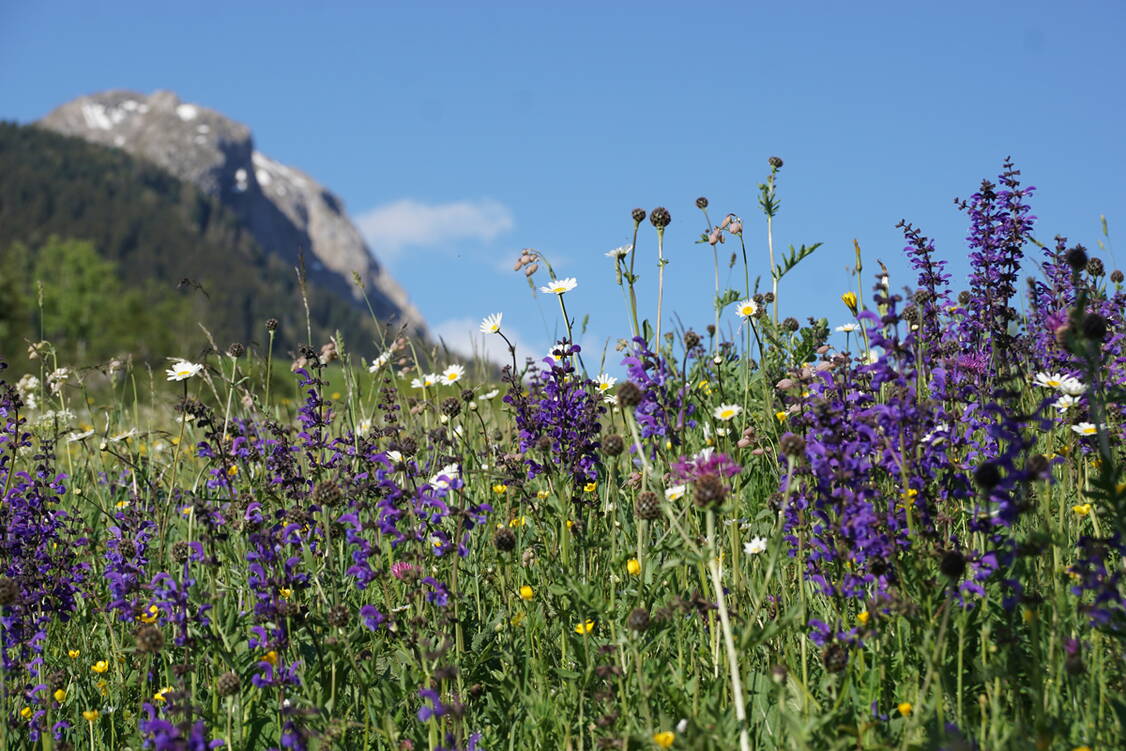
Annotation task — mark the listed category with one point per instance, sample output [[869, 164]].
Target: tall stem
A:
[[728, 639], [660, 283]]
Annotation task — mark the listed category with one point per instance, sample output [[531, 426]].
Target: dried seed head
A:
[[691, 339], [181, 551], [638, 619], [629, 394], [339, 616], [775, 162], [327, 494], [1116, 276], [953, 564], [638, 215], [271, 324], [702, 202], [613, 445], [835, 658], [451, 406], [504, 539], [767, 297], [791, 324], [647, 506], [236, 349], [792, 444], [964, 298], [1094, 327], [710, 490], [987, 476], [1095, 267], [1076, 258], [660, 217], [1037, 466], [228, 684], [9, 591], [149, 639]]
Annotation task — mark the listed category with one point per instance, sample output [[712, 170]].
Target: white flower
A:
[[605, 382], [610, 399], [453, 374], [938, 435], [872, 357], [675, 493], [1085, 428], [848, 328], [489, 394], [394, 456], [363, 426], [726, 411], [491, 324], [1049, 380], [124, 436], [428, 379], [555, 357], [1065, 402], [79, 436], [445, 475], [746, 308], [1072, 386], [619, 252], [379, 362], [755, 546], [682, 726], [182, 370], [559, 286]]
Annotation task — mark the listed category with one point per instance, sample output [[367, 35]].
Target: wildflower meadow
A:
[[735, 536]]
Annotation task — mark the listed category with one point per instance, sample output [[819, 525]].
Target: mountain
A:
[[287, 211]]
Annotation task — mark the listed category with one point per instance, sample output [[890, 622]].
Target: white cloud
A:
[[463, 335], [395, 226]]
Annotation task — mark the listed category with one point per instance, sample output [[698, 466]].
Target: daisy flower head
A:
[[453, 374], [726, 412], [848, 328], [182, 370], [755, 546], [675, 493], [559, 286], [379, 362], [445, 476], [491, 324], [1085, 428], [1049, 380], [605, 382], [428, 379], [619, 252], [1065, 402], [1072, 386], [746, 308]]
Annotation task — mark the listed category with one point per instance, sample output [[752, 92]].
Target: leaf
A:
[[795, 257]]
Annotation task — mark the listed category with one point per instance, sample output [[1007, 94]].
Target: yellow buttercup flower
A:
[[779, 416], [73, 654], [103, 688], [232, 470], [1082, 509], [90, 715], [500, 488], [150, 615], [517, 619], [862, 617], [664, 739], [60, 695], [633, 566], [285, 593], [160, 696], [585, 627], [904, 708], [270, 657], [849, 299], [519, 521], [590, 487], [25, 713], [526, 593], [541, 494], [100, 666]]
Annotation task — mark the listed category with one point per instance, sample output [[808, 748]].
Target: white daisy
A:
[[1065, 402], [610, 399], [848, 328], [726, 411], [1085, 428], [559, 286], [1049, 380], [491, 324], [453, 374], [394, 456], [675, 493], [445, 475], [489, 394], [755, 546], [182, 370], [605, 382], [1072, 386], [619, 252], [429, 379], [379, 362], [79, 436], [746, 308], [363, 426]]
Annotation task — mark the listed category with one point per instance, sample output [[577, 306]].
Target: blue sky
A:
[[458, 135]]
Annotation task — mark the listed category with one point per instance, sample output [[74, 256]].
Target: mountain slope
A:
[[286, 210], [157, 231]]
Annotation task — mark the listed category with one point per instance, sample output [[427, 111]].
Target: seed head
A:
[[775, 162], [638, 216], [327, 493], [691, 339], [451, 406], [1076, 258], [710, 490], [149, 639], [228, 684], [953, 564], [791, 324], [702, 202], [9, 591], [1094, 327], [339, 616], [236, 349], [638, 619], [987, 476], [181, 551], [271, 324], [504, 539], [1095, 267], [660, 217], [613, 445], [647, 506], [792, 444], [835, 658], [1116, 276], [629, 394]]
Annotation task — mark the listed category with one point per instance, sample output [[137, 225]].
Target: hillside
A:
[[174, 249]]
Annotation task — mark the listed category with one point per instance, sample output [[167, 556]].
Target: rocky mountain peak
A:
[[286, 210]]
